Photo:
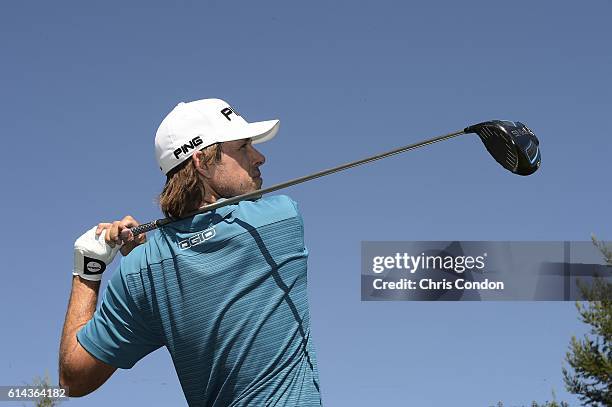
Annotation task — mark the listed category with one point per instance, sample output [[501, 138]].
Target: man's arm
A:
[[78, 370]]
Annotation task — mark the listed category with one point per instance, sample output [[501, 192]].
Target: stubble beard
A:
[[244, 187]]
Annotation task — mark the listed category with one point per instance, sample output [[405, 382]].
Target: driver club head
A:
[[512, 144]]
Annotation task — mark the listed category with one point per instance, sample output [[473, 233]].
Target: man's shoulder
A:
[[268, 209], [274, 201], [141, 256], [278, 210]]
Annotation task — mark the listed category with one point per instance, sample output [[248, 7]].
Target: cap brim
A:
[[258, 132], [263, 131]]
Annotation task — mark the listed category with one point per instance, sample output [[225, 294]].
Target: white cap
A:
[[194, 125]]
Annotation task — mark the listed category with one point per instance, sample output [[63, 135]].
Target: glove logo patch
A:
[[93, 266]]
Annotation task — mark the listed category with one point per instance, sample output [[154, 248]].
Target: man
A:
[[223, 291]]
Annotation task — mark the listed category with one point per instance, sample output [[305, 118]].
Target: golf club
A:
[[512, 144]]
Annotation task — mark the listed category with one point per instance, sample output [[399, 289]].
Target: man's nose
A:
[[258, 158]]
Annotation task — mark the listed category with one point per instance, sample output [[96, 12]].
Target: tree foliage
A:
[[590, 357], [550, 404], [44, 383], [553, 403]]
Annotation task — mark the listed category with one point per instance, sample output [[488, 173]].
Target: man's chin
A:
[[255, 185]]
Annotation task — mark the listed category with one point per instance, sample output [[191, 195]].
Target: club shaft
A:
[[255, 194]]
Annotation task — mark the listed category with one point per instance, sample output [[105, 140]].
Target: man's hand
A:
[[96, 248], [118, 234], [92, 255]]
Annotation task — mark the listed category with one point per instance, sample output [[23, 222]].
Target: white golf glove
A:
[[92, 255]]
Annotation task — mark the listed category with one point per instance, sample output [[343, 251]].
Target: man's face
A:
[[238, 171]]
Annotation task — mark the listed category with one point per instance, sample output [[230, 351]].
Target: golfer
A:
[[223, 291]]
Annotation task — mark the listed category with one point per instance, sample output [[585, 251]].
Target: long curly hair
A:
[[184, 190]]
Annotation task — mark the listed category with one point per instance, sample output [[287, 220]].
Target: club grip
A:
[[144, 228]]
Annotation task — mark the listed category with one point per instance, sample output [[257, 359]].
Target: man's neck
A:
[[210, 196], [209, 200]]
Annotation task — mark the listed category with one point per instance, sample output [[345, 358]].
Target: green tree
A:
[[550, 404], [44, 383], [590, 358], [553, 403]]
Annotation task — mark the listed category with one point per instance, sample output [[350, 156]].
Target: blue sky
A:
[[84, 87]]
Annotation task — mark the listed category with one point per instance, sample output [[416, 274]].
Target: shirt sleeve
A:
[[118, 334]]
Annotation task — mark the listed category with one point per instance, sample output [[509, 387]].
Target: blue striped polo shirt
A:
[[225, 293]]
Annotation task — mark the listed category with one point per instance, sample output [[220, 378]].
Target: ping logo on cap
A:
[[193, 143], [227, 111]]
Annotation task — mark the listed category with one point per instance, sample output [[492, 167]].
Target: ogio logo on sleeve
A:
[[197, 239]]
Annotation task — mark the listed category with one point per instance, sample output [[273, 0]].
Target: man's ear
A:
[[201, 167]]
